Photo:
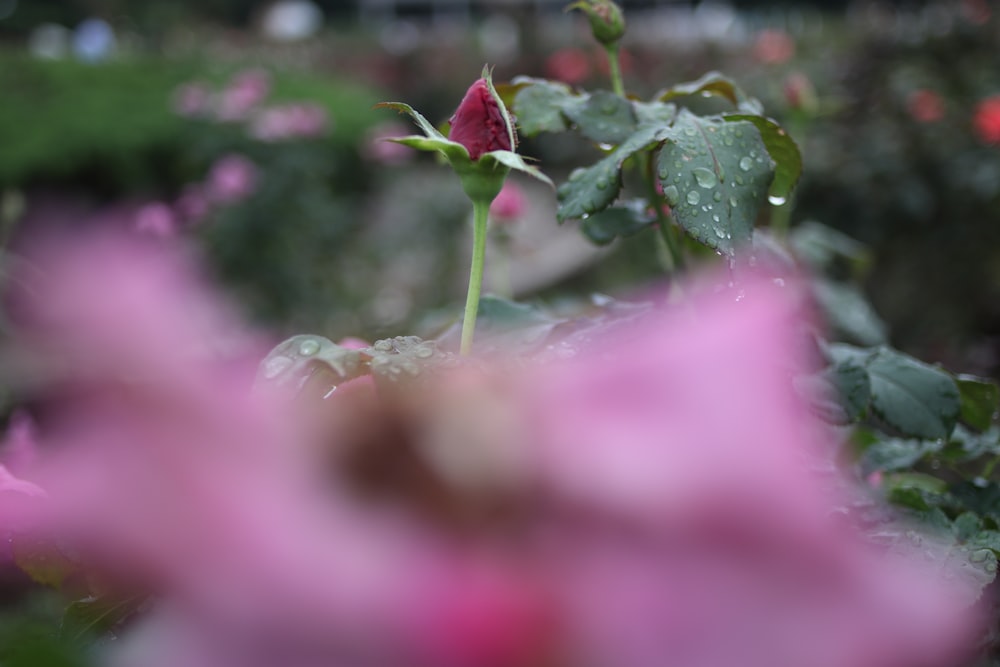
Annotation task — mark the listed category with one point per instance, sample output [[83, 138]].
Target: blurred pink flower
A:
[[800, 92], [377, 149], [193, 205], [712, 538], [925, 106], [165, 470], [244, 92], [192, 99], [232, 178], [19, 448], [773, 47], [676, 501], [986, 120], [510, 204], [289, 121], [156, 219], [569, 65]]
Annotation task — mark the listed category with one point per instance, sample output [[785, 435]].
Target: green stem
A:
[[480, 215], [669, 240], [614, 65]]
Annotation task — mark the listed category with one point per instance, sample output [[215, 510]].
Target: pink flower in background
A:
[[193, 204], [572, 66], [773, 47], [510, 204], [232, 178], [19, 448], [242, 95], [987, 120], [378, 149], [192, 99], [925, 106], [156, 219], [800, 92], [289, 121]]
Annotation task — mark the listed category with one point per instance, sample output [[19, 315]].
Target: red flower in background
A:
[[925, 106], [987, 120], [773, 47], [480, 124], [570, 66]]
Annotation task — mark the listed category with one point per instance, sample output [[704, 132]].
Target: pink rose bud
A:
[[510, 204], [480, 123]]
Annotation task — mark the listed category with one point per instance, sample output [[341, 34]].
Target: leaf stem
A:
[[480, 214], [614, 66], [663, 223]]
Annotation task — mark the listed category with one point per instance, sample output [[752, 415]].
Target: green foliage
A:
[[713, 171]]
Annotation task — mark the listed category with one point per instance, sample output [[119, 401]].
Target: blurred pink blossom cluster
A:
[[231, 179], [243, 100], [658, 499]]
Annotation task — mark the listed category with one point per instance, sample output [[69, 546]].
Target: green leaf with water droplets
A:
[[715, 176], [592, 189], [711, 83], [980, 399], [602, 116], [605, 226], [912, 397], [782, 149], [538, 105], [309, 360]]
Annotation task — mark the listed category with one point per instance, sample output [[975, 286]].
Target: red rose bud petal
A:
[[479, 123]]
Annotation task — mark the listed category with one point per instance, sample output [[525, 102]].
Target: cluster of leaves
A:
[[714, 171]]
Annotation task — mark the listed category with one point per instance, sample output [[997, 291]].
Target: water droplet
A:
[[384, 345], [308, 348], [678, 164], [776, 200], [672, 195], [739, 180], [720, 232], [753, 153], [663, 173], [601, 184], [733, 202], [705, 178], [690, 131], [275, 366], [424, 352], [715, 217], [746, 163], [717, 196], [693, 197], [727, 140], [738, 132], [609, 107]]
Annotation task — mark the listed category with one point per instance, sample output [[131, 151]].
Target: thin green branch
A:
[[480, 215]]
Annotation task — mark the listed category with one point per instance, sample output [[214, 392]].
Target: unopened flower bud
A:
[[607, 23], [481, 123]]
